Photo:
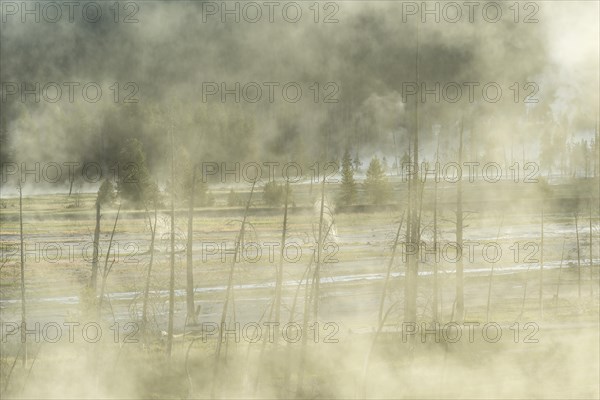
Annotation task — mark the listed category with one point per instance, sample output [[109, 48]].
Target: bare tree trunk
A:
[[107, 269], [562, 257], [287, 371], [317, 276], [308, 296], [191, 314], [279, 279], [410, 303], [147, 288], [172, 275], [435, 305], [578, 256], [389, 270], [94, 280], [591, 252], [541, 299], [228, 293], [489, 299], [460, 296], [23, 305]]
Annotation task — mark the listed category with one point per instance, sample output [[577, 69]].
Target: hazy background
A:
[[170, 52]]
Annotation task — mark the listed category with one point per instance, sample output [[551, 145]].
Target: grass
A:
[[331, 370]]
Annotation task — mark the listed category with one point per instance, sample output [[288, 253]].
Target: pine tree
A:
[[376, 184], [133, 181], [348, 192]]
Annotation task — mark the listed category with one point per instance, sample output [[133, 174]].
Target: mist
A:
[[424, 222]]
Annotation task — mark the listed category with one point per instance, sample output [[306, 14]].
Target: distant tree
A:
[[274, 194], [185, 176], [234, 199], [106, 193], [405, 163], [547, 153], [384, 164], [376, 184], [348, 190], [133, 179], [357, 163], [209, 199]]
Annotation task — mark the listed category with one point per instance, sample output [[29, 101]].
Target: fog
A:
[[465, 131]]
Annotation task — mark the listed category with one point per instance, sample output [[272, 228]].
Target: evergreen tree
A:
[[273, 194], [376, 184], [106, 193], [348, 190], [133, 180], [234, 199]]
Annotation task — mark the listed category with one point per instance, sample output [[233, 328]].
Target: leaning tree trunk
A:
[[229, 294], [94, 280], [578, 256], [541, 299], [410, 302], [489, 297], [460, 296], [106, 270], [172, 275], [591, 252], [191, 314], [279, 279], [317, 276], [435, 300], [389, 272], [23, 307], [148, 274]]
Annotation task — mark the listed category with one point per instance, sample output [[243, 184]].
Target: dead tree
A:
[[489, 298], [460, 291], [191, 314], [279, 278], [389, 271], [320, 239], [172, 263], [435, 301], [578, 256], [94, 279], [149, 272], [591, 253], [410, 293], [106, 270], [541, 300], [229, 293], [23, 306]]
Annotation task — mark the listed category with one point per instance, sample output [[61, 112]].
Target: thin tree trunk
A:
[[286, 375], [228, 294], [489, 299], [279, 279], [389, 270], [410, 303], [435, 305], [172, 261], [308, 295], [23, 305], [541, 299], [591, 253], [276, 304], [107, 269], [578, 256], [460, 296], [317, 276], [191, 314], [94, 280], [147, 288], [562, 257]]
